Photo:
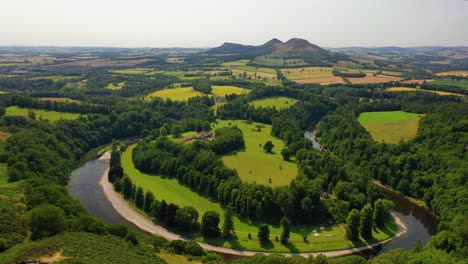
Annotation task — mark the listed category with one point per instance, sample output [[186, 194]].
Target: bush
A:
[[46, 220], [90, 224], [194, 249], [117, 230], [132, 238]]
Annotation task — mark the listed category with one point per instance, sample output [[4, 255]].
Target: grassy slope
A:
[[392, 126], [278, 102], [52, 116], [172, 191], [253, 164], [84, 248]]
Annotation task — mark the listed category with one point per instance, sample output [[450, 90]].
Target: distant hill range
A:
[[278, 53]]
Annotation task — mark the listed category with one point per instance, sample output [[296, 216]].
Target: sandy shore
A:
[[131, 215]]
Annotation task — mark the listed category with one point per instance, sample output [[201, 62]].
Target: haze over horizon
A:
[[207, 23]]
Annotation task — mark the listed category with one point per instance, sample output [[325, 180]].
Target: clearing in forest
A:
[[183, 94], [390, 127], [52, 116], [280, 102], [252, 163]]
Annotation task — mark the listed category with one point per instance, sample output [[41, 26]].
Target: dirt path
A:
[[131, 215]]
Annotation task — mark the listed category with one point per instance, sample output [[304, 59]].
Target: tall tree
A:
[[210, 224], [149, 199], [366, 222], [171, 213], [139, 198], [352, 225], [187, 217], [286, 225], [268, 146], [228, 226], [263, 233], [162, 211]]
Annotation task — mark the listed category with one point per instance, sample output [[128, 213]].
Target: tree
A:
[[46, 220], [342, 211], [366, 222], [286, 153], [352, 225], [228, 226], [149, 199], [139, 198], [163, 132], [176, 130], [380, 213], [171, 213], [127, 187], [268, 146], [285, 224], [115, 158], [187, 217], [210, 224], [162, 211], [263, 233]]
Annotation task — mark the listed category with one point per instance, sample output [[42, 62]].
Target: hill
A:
[[275, 49]]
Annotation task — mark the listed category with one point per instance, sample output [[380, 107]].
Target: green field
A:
[[460, 83], [183, 94], [253, 164], [278, 102], [307, 73], [235, 63], [268, 61], [390, 127], [52, 116], [118, 86], [173, 192]]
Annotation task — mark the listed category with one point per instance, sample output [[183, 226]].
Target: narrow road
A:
[[126, 211]]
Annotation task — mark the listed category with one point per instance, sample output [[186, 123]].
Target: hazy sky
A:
[[207, 23]]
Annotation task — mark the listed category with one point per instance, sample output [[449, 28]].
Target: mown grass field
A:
[[52, 116], [390, 127], [373, 79], [183, 94], [307, 73], [173, 192], [278, 102], [253, 164], [235, 63], [454, 73], [457, 83], [409, 89]]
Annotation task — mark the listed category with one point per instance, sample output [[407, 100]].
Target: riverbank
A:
[[131, 215]]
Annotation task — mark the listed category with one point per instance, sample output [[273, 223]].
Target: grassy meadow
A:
[[307, 73], [253, 164], [448, 82], [409, 89], [390, 127], [235, 63], [278, 102], [454, 73], [331, 238], [52, 116], [183, 94], [118, 86]]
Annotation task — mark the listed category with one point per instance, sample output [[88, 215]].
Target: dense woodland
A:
[[336, 183]]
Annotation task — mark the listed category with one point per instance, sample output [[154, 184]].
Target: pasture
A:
[[268, 61], [390, 127], [373, 79], [52, 116], [59, 99], [448, 82], [454, 73], [408, 89], [330, 238], [278, 102], [184, 93], [252, 163], [307, 73], [235, 63]]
